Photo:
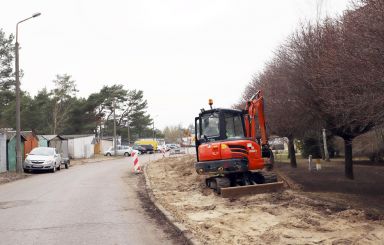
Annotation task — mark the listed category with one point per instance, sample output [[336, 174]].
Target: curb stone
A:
[[178, 226]]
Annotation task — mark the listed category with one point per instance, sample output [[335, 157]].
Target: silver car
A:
[[42, 158], [121, 150]]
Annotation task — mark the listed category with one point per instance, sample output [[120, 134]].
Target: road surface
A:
[[95, 203]]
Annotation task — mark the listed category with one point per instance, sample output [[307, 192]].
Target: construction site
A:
[[192, 122], [235, 190], [289, 216]]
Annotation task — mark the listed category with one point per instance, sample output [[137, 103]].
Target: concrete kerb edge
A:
[[178, 226]]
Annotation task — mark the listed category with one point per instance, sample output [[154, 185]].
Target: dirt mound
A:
[[286, 217]]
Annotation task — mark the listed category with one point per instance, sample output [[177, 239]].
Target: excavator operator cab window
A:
[[233, 126], [219, 125], [210, 125]]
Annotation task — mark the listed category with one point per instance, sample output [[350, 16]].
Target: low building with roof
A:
[[3, 152], [31, 141], [59, 142], [80, 146], [11, 149]]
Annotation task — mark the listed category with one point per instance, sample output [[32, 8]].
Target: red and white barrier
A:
[[163, 152], [136, 166]]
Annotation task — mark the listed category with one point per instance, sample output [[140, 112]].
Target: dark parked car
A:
[[148, 148], [139, 148]]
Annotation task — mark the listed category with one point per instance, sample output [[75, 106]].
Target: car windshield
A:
[[42, 151]]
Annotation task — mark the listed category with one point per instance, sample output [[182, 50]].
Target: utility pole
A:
[[326, 154], [114, 127], [129, 136], [19, 159]]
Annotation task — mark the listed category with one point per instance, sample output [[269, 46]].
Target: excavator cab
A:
[[222, 145], [219, 125], [222, 125]]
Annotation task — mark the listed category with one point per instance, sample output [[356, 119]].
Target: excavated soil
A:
[[287, 217]]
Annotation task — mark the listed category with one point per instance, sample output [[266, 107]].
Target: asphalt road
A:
[[95, 203]]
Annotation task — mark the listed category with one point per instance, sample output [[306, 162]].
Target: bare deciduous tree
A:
[[330, 74]]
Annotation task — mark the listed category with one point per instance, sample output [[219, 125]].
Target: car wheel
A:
[[126, 154], [26, 170], [59, 168], [66, 165], [53, 169], [108, 154]]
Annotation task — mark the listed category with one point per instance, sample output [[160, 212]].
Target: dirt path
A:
[[289, 217]]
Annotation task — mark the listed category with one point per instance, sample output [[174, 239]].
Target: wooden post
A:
[[310, 163]]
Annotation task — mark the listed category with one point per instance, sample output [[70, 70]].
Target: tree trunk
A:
[[348, 158], [291, 152], [54, 119]]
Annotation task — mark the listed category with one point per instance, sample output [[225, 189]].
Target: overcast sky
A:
[[179, 52]]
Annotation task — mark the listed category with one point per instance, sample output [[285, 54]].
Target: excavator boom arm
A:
[[255, 107]]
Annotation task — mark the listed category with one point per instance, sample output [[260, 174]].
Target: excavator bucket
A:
[[237, 191]]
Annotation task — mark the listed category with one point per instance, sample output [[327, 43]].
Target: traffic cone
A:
[[136, 166]]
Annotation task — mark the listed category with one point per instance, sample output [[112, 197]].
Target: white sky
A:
[[181, 53]]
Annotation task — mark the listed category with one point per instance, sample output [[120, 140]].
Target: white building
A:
[[80, 146], [3, 152], [105, 144]]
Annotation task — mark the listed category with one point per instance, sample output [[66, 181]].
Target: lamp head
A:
[[36, 14]]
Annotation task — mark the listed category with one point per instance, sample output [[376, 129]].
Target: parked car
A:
[[161, 148], [66, 162], [147, 142], [139, 148], [148, 148], [177, 150], [42, 158], [173, 146], [121, 150]]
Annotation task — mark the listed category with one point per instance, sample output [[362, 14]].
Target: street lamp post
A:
[[19, 166], [114, 129], [129, 135]]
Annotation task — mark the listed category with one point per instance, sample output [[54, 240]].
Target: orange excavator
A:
[[232, 148]]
